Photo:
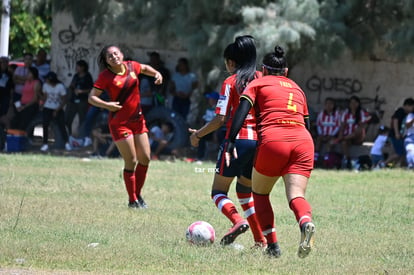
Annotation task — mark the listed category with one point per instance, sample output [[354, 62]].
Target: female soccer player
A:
[[240, 61], [285, 147], [126, 122]]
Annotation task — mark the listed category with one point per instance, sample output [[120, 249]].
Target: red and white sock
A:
[[227, 207], [247, 203], [129, 180], [265, 217], [140, 176], [302, 210]]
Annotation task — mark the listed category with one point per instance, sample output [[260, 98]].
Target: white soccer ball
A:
[[200, 233]]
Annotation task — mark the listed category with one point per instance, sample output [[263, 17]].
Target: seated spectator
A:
[[397, 133], [209, 114], [328, 123], [28, 106], [377, 154], [79, 89], [409, 140], [102, 142], [352, 131], [20, 75], [159, 138], [54, 97]]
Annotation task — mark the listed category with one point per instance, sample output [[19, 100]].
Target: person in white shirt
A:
[[54, 102], [377, 155], [409, 140]]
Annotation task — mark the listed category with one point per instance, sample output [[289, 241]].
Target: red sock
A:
[[247, 203], [129, 180], [227, 207], [265, 217], [140, 176], [302, 210]]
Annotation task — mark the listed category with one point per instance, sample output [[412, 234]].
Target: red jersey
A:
[[118, 90], [227, 105], [280, 106], [349, 119], [328, 124]]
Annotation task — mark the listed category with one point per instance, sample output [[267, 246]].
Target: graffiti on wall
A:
[[347, 86]]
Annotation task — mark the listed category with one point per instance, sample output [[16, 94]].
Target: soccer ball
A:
[[200, 233]]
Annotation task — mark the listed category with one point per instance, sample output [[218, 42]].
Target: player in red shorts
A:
[[126, 122], [285, 148], [240, 60]]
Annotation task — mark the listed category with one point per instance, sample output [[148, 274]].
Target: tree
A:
[[30, 27]]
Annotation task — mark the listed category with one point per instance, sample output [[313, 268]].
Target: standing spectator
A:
[[55, 100], [159, 91], [183, 83], [285, 147], [28, 105], [147, 96], [79, 89], [6, 92], [20, 75], [328, 123], [377, 154], [126, 122], [353, 123], [41, 64], [397, 129], [409, 140]]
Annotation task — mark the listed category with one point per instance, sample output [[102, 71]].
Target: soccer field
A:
[[66, 215]]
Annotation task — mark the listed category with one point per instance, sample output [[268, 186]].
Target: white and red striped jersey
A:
[[349, 119], [328, 124], [226, 106]]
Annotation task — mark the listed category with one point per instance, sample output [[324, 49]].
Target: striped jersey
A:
[[349, 120], [328, 124]]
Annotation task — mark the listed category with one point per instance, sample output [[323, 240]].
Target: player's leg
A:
[[126, 148], [262, 186], [143, 151]]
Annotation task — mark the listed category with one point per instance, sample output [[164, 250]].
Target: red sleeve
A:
[[223, 104], [137, 67], [102, 82]]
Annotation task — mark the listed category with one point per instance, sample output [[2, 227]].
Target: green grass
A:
[[52, 208]]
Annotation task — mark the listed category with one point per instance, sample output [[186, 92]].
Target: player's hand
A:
[[193, 138], [229, 149], [113, 106], [158, 79]]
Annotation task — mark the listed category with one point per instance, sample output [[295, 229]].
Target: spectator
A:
[[41, 64], [409, 140], [20, 75], [397, 132], [55, 99], [28, 105], [159, 91], [159, 138], [208, 116], [181, 87], [102, 142], [353, 124], [6, 92], [79, 89], [377, 154], [146, 93], [328, 123]]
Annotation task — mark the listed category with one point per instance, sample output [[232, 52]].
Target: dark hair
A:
[[275, 62], [358, 110], [82, 63], [28, 54], [183, 61], [102, 57], [52, 77], [243, 52], [409, 101], [34, 72], [331, 99]]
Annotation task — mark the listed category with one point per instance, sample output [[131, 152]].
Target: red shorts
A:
[[123, 130], [277, 158]]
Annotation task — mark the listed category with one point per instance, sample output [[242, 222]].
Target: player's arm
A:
[[208, 128], [94, 100], [150, 71], [239, 117], [307, 123]]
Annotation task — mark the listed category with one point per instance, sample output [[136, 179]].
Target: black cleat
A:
[[273, 250]]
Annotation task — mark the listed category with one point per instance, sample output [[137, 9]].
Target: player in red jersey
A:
[[126, 122], [285, 147], [240, 60]]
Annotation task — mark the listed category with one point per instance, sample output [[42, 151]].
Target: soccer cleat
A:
[[273, 250], [236, 230], [134, 204], [141, 202], [306, 241]]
